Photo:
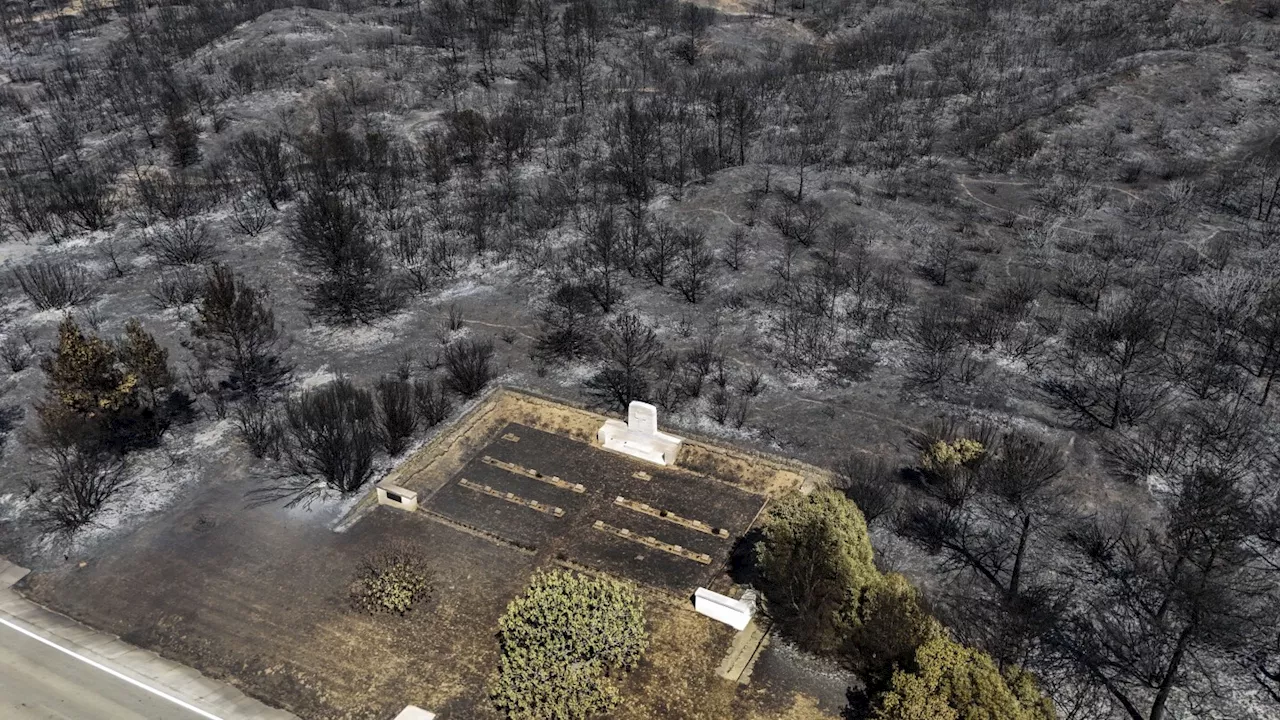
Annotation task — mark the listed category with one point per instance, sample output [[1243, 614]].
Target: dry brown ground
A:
[[677, 678]]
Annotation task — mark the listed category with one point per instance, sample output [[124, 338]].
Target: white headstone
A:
[[642, 418]]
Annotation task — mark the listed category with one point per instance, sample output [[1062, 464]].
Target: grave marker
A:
[[642, 418]]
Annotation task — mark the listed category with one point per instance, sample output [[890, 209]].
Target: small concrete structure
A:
[[397, 497], [413, 712], [743, 652], [734, 613], [639, 436]]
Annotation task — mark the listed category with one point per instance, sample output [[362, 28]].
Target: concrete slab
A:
[[139, 658], [24, 611], [107, 647], [742, 654], [413, 712], [11, 575], [201, 688], [74, 634], [222, 696], [182, 680]]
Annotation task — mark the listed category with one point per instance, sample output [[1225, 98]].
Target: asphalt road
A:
[[38, 682]]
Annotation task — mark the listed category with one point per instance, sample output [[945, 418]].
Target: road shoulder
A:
[[107, 653]]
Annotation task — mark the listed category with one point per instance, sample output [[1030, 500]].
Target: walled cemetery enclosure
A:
[[257, 596], [524, 473]]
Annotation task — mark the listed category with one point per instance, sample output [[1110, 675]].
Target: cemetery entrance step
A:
[[746, 647]]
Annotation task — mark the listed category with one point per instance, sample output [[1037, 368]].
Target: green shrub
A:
[[951, 459], [564, 643], [394, 579], [122, 389], [104, 398], [942, 456], [815, 563], [86, 375], [952, 682], [893, 624], [144, 359]]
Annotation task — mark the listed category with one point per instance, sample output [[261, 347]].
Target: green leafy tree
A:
[[103, 400], [146, 360], [893, 623], [815, 563], [120, 390], [564, 643], [952, 682], [85, 374], [951, 459]]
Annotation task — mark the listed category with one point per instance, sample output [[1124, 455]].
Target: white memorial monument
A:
[[734, 613], [639, 436]]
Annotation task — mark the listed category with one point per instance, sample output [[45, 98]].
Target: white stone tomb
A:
[[639, 436], [413, 712], [734, 613]]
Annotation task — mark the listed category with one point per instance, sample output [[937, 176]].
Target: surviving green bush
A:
[[815, 562], [893, 624], [822, 589], [564, 643], [85, 373], [942, 455], [120, 390], [949, 681], [951, 459], [394, 579], [104, 398]]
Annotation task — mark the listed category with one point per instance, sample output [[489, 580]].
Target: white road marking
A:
[[104, 668]]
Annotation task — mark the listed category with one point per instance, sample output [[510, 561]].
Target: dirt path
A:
[[499, 326], [963, 181], [1022, 183]]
